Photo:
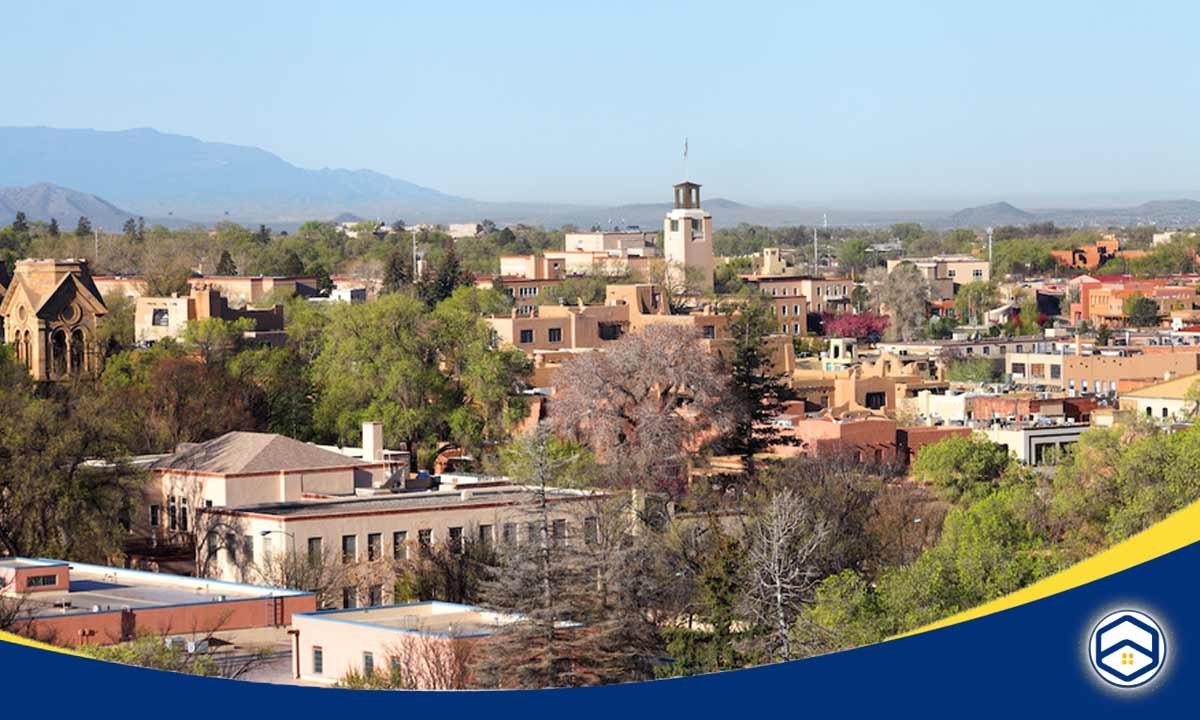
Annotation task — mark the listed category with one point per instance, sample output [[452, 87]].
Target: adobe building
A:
[[688, 237], [72, 604], [370, 532], [329, 644], [242, 290], [158, 318], [242, 468], [50, 312]]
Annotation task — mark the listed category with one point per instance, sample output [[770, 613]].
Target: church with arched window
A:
[[50, 312]]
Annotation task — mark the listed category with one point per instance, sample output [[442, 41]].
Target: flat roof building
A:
[[71, 603]]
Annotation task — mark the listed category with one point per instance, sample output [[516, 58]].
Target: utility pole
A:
[[816, 260], [96, 242], [989, 232], [414, 268]]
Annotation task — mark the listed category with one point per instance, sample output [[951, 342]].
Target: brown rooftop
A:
[[236, 453]]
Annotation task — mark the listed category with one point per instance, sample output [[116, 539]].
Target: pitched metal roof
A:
[[237, 453]]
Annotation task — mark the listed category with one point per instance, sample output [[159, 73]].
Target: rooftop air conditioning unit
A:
[[197, 646]]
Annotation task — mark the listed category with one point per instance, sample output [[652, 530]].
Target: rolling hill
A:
[[43, 201]]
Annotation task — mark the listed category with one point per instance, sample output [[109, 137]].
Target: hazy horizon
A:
[[935, 107]]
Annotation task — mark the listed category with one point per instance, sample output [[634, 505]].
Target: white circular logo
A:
[[1127, 648]]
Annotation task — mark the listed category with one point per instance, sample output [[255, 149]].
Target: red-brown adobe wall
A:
[[104, 628]]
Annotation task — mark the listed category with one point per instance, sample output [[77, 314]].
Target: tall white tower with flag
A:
[[687, 235]]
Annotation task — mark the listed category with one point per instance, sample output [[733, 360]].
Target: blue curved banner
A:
[[1033, 660]]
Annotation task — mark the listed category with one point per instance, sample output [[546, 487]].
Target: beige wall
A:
[[688, 242]]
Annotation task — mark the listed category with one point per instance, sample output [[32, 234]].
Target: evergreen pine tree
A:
[[54, 232], [83, 228], [225, 265], [756, 391]]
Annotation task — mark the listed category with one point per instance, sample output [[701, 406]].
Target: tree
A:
[[214, 338], [262, 236], [114, 332], [397, 271], [973, 300], [860, 298], [1140, 311], [972, 370], [282, 392], [860, 326], [853, 257], [53, 228], [20, 224], [962, 466], [83, 229], [902, 294], [442, 281], [225, 265], [542, 582], [66, 487], [645, 405], [784, 541], [755, 390]]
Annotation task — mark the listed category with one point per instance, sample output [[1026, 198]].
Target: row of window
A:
[[976, 274], [178, 515], [368, 661], [553, 335]]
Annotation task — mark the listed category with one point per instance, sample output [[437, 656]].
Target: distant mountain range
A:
[[177, 179], [43, 201]]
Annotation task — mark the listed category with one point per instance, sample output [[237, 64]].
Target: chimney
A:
[[372, 441], [1078, 345]]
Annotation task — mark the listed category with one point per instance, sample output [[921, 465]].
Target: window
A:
[[349, 548], [41, 581], [783, 310], [532, 532], [316, 553], [155, 511], [876, 400], [558, 530], [1056, 372], [248, 548], [172, 516], [1164, 413], [674, 226], [796, 310], [508, 535], [795, 328], [456, 543], [591, 530], [1149, 411], [183, 514], [349, 598], [554, 335], [977, 274], [318, 660], [950, 273], [486, 535], [527, 336], [1083, 385], [160, 317], [374, 546], [609, 331], [425, 537], [375, 595], [709, 332], [400, 545], [1018, 368], [368, 663]]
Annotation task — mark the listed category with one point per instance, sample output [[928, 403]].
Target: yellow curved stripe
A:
[[18, 640], [1176, 531]]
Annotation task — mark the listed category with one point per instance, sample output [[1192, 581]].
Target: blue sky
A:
[[844, 104]]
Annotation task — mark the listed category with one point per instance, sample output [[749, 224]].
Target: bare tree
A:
[[424, 662], [784, 542], [645, 406], [902, 294]]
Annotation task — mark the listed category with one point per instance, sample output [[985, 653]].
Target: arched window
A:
[[58, 353], [26, 346], [78, 354]]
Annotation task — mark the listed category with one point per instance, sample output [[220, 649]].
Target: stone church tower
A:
[[50, 311]]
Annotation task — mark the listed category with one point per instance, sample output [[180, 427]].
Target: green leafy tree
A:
[[963, 466], [974, 299], [215, 339], [83, 229], [1140, 311], [972, 370]]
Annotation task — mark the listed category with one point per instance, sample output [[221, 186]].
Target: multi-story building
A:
[[157, 318], [613, 242], [1169, 400], [1102, 300], [960, 269], [1090, 257]]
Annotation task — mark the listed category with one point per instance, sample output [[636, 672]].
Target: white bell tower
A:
[[687, 236]]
